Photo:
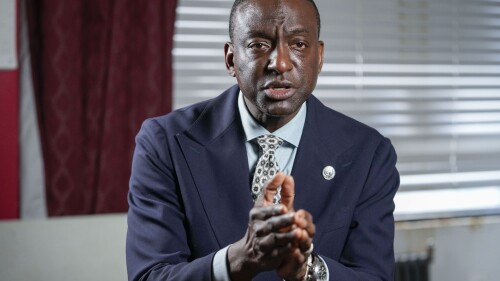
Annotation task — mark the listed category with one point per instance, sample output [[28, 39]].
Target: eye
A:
[[300, 45], [258, 46]]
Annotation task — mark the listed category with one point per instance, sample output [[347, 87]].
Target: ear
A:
[[321, 47], [229, 58]]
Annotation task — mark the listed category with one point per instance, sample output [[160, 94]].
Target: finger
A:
[[274, 224], [277, 255], [304, 220], [288, 192], [281, 251], [277, 240], [264, 213], [270, 188], [301, 240], [304, 243]]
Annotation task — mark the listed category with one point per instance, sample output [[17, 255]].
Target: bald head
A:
[[238, 3]]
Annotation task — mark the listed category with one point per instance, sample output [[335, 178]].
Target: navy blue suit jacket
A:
[[190, 192]]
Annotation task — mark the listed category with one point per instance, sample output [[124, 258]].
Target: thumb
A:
[[288, 192], [270, 188]]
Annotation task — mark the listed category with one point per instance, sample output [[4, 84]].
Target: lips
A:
[[278, 90]]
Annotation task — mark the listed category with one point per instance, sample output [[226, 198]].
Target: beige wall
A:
[[73, 248]]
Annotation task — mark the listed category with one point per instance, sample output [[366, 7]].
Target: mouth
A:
[[278, 90]]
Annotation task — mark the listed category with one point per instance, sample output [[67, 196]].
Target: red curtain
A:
[[9, 144], [100, 68]]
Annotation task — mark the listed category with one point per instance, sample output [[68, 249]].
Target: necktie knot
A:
[[269, 142]]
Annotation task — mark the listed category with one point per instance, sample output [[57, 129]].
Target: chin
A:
[[280, 112], [282, 108]]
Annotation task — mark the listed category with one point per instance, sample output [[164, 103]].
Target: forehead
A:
[[267, 15]]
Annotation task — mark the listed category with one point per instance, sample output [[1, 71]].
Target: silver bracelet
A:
[[309, 269], [316, 269]]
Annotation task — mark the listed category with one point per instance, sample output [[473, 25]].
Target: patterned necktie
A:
[[266, 166]]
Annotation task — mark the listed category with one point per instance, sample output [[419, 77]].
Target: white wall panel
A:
[[8, 34]]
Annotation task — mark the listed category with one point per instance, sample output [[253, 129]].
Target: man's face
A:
[[276, 57]]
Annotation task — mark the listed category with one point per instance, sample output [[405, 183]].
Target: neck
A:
[[272, 123]]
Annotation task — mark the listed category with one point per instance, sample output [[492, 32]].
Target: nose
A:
[[280, 60]]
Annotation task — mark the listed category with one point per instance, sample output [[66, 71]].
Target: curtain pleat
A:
[[100, 68]]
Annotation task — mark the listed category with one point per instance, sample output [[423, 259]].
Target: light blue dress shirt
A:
[[290, 133]]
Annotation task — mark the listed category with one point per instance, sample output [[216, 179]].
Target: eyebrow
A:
[[260, 34], [298, 30], [263, 34]]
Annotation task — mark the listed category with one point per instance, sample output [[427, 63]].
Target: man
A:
[[199, 206]]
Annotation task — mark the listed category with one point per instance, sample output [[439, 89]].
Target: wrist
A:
[[238, 268], [300, 274]]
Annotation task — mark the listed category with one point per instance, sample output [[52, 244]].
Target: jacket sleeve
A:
[[368, 253], [157, 242]]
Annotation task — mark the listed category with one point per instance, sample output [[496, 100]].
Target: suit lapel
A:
[[321, 145], [214, 148]]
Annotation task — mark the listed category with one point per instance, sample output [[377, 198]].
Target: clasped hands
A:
[[277, 238]]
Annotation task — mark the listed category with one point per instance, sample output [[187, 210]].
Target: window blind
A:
[[425, 73]]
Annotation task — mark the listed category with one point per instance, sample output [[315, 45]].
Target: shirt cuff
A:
[[219, 266]]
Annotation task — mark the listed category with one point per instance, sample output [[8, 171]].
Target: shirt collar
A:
[[287, 133]]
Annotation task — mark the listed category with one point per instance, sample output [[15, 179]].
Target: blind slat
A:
[[424, 73]]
